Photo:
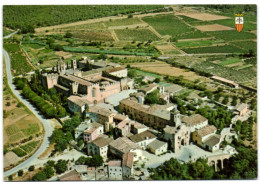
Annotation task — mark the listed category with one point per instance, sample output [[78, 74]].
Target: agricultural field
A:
[[246, 45], [162, 68], [122, 22], [19, 63], [214, 49], [93, 35], [198, 43], [232, 35], [136, 35], [168, 25], [196, 34]]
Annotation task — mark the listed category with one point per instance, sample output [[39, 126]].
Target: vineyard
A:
[[94, 35], [136, 34], [232, 35], [19, 63], [185, 44], [122, 22], [167, 24], [214, 49]]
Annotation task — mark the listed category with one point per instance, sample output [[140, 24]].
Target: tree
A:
[[49, 171], [97, 160], [157, 80], [40, 176], [61, 166], [31, 168], [68, 35], [152, 98], [132, 73], [20, 172], [10, 178]]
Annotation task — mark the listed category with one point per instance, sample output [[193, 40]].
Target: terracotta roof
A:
[[128, 159], [115, 163], [135, 105], [241, 107], [71, 176], [148, 88], [122, 124], [212, 140], [101, 141], [120, 117], [209, 129], [194, 119], [156, 144], [142, 136], [111, 70], [90, 130], [101, 111], [78, 100], [123, 144], [138, 125], [74, 78], [170, 129]]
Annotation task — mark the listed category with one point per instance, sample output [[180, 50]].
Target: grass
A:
[[229, 61], [7, 31], [214, 49], [144, 73], [11, 130], [167, 24], [19, 152], [34, 46], [31, 129], [243, 67], [16, 137], [19, 63], [231, 35], [184, 44], [123, 22], [136, 35], [30, 146], [33, 144]]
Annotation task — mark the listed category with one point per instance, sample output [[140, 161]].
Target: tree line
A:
[[28, 17]]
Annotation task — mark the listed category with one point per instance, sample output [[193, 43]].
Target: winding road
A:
[[46, 123]]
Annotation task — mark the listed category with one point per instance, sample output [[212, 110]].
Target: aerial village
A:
[[144, 136]]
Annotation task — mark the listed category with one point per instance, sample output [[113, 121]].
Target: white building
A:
[[143, 139], [118, 72], [195, 121], [158, 147]]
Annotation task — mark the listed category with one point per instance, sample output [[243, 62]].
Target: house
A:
[[80, 129], [127, 164], [77, 104], [94, 131], [71, 176], [212, 143], [117, 71], [118, 170], [99, 146], [123, 128], [114, 170], [158, 147], [199, 136], [143, 139], [195, 121], [148, 88], [241, 109], [137, 128], [122, 145]]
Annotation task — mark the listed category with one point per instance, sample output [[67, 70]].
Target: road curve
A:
[[46, 123]]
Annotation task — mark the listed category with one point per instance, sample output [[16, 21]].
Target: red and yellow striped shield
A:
[[239, 21]]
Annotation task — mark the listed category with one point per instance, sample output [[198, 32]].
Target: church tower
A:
[[175, 117]]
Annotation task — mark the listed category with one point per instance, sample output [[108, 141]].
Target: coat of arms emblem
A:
[[239, 21]]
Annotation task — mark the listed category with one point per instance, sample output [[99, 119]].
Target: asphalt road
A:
[[46, 123]]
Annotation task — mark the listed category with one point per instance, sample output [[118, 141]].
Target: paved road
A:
[[46, 123]]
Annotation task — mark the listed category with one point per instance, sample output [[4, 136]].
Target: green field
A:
[[19, 152], [246, 45], [136, 35], [123, 22], [19, 63], [93, 35], [193, 35], [16, 137], [231, 35], [184, 44], [167, 24], [229, 61], [11, 130], [231, 23], [31, 129], [214, 49]]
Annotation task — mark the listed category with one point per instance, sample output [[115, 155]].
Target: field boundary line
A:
[[28, 57], [113, 33]]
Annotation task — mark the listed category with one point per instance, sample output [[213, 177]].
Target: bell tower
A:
[[175, 117]]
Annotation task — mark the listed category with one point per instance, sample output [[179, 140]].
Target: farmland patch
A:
[[136, 34], [94, 35], [204, 16], [213, 27]]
